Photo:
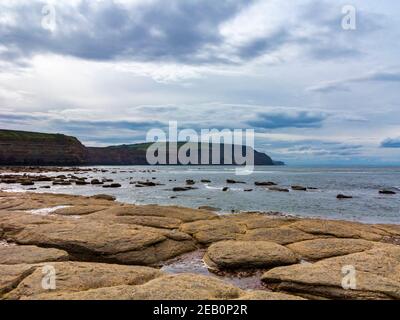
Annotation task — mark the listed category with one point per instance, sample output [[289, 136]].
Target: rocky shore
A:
[[102, 249]]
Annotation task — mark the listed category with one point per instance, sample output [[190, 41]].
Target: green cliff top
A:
[[32, 136]]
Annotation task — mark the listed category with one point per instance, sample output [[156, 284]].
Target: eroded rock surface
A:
[[114, 251], [248, 254]]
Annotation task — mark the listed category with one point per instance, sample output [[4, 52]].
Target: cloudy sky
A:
[[107, 71]]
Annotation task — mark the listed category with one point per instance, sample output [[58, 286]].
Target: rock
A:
[[247, 255], [267, 295], [376, 276], [283, 235], [231, 181], [81, 183], [104, 241], [45, 187], [30, 255], [112, 185], [147, 184], [79, 210], [225, 189], [278, 189], [27, 183], [265, 183], [156, 222], [206, 232], [389, 192], [339, 229], [325, 248], [299, 188], [190, 182], [96, 182], [12, 275], [208, 208], [342, 196], [248, 190], [169, 287], [104, 197], [61, 183], [179, 189], [81, 276], [183, 214], [205, 181]]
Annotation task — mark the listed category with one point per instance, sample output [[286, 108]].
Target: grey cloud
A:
[[174, 31], [391, 143], [288, 119], [343, 85]]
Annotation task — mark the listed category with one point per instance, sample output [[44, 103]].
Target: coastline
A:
[[125, 251]]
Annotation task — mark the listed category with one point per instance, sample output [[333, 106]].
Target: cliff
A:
[[32, 148]]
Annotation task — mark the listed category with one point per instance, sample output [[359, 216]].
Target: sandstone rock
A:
[[339, 229], [156, 222], [12, 275], [180, 189], [283, 235], [247, 255], [104, 241], [79, 210], [171, 287], [30, 255], [324, 248], [267, 295], [81, 276], [206, 232], [183, 214], [376, 276]]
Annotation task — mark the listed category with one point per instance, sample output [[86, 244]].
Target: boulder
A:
[[325, 248], [339, 229], [376, 276], [278, 189], [265, 183], [299, 188], [80, 276], [206, 232], [79, 210], [342, 196], [267, 295], [388, 192], [283, 235], [30, 255], [171, 287], [103, 197], [231, 181], [247, 255]]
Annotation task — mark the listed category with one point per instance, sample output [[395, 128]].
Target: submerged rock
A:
[[342, 196], [389, 192]]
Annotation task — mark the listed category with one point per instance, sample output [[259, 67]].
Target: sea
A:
[[362, 183]]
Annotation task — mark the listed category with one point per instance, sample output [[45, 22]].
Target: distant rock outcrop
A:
[[32, 148]]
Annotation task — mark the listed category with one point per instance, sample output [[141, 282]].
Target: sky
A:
[[318, 84]]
